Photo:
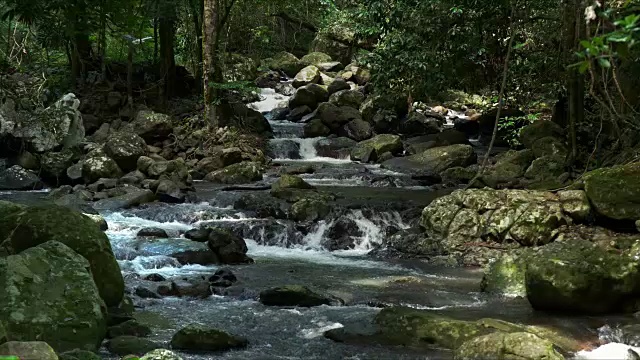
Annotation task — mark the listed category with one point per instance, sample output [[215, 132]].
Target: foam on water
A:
[[307, 151], [611, 351], [270, 100]]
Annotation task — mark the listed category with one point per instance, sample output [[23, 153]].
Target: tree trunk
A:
[[196, 10], [103, 42], [167, 56], [155, 41], [130, 78], [575, 80], [209, 59]]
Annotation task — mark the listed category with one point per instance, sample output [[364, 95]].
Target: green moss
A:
[[198, 338], [506, 275], [615, 192], [508, 346]]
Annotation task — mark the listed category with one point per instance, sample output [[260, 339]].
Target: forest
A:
[[319, 179]]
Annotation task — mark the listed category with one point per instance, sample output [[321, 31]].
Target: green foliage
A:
[[511, 127]]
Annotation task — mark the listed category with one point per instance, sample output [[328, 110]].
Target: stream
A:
[[284, 255]]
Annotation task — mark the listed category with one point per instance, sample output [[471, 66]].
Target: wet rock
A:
[[310, 95], [154, 278], [54, 298], [298, 113], [131, 328], [377, 145], [229, 248], [27, 350], [430, 163], [508, 169], [144, 163], [199, 235], [152, 126], [550, 146], [133, 178], [240, 115], [285, 62], [358, 130], [545, 172], [99, 166], [17, 178], [335, 147], [120, 313], [538, 130], [335, 117], [79, 354], [169, 192], [315, 58], [506, 275], [285, 89], [284, 148], [310, 209], [196, 257], [125, 149], [341, 234], [419, 124], [28, 161], [131, 345], [129, 200], [338, 84], [146, 293], [268, 80], [103, 184], [241, 173], [315, 128], [161, 354], [198, 338], [615, 192], [286, 182], [522, 345], [350, 98], [54, 164], [193, 289], [38, 225], [293, 295], [580, 277], [459, 175], [308, 75], [222, 278], [261, 207], [299, 169]]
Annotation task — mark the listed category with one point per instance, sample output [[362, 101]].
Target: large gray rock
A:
[[430, 163], [52, 297], [419, 124], [315, 58], [338, 148], [335, 117], [152, 126], [615, 192], [125, 149], [308, 75], [37, 225], [27, 350], [352, 98], [310, 95], [198, 338], [357, 129], [285, 62], [240, 173], [315, 128], [17, 178], [538, 130], [503, 346], [99, 166], [369, 150], [131, 199], [55, 164]]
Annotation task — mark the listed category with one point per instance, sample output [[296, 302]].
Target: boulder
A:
[[505, 346], [99, 166], [315, 58], [55, 164], [229, 248], [357, 129], [28, 161], [418, 144], [526, 217], [431, 163], [315, 128], [419, 124], [538, 130], [131, 345], [196, 257], [26, 350], [308, 75], [310, 95], [79, 354], [330, 66], [615, 192], [285, 62], [309, 209], [505, 275], [241, 173], [198, 338], [161, 354], [130, 328], [545, 172], [125, 149], [294, 295], [351, 98], [131, 199], [375, 146], [338, 148], [53, 298], [153, 232], [17, 178], [152, 126], [144, 163], [580, 277], [335, 117], [338, 84], [550, 146], [509, 168], [242, 116], [38, 225], [298, 113], [392, 104], [385, 122], [239, 68], [289, 182]]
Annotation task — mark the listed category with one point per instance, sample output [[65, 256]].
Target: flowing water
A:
[[287, 254]]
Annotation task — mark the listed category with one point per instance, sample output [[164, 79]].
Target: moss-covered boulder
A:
[[152, 126], [550, 146], [335, 117], [125, 149], [198, 338], [615, 192], [78, 354], [99, 166], [130, 327], [538, 130], [308, 75], [369, 150], [161, 354], [351, 98], [7, 209], [309, 209], [309, 95], [507, 346], [315, 58], [285, 62], [240, 173], [508, 169], [131, 345], [37, 225], [430, 163], [27, 350], [577, 276], [50, 296], [525, 217], [505, 275], [289, 182], [316, 128], [239, 68], [293, 295]]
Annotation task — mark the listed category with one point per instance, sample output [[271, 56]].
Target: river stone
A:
[[131, 199], [198, 338], [36, 350], [311, 209], [153, 232], [315, 58], [79, 354], [550, 146], [430, 163], [131, 345], [309, 95], [293, 295], [37, 225], [308, 75], [357, 129], [241, 173], [125, 149], [315, 128], [17, 178], [130, 327], [420, 124], [98, 167], [285, 62], [505, 275], [335, 117], [351, 98], [508, 169], [503, 346], [161, 354], [289, 182], [615, 192], [538, 130], [375, 146], [51, 296], [229, 248], [55, 164], [338, 84], [579, 277], [152, 126]]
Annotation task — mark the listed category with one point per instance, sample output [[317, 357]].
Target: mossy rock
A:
[[505, 276], [37, 225], [538, 130], [126, 345], [290, 182], [315, 58], [198, 338], [78, 354], [27, 350], [293, 295], [161, 354], [375, 146], [240, 173], [310, 209], [615, 192], [285, 62], [130, 327], [507, 346]]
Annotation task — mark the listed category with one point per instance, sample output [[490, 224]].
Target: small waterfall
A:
[[270, 100]]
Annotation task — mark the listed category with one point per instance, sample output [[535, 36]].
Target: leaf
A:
[[604, 63], [584, 66], [585, 44]]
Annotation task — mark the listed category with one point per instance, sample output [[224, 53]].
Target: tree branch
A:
[[288, 18]]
